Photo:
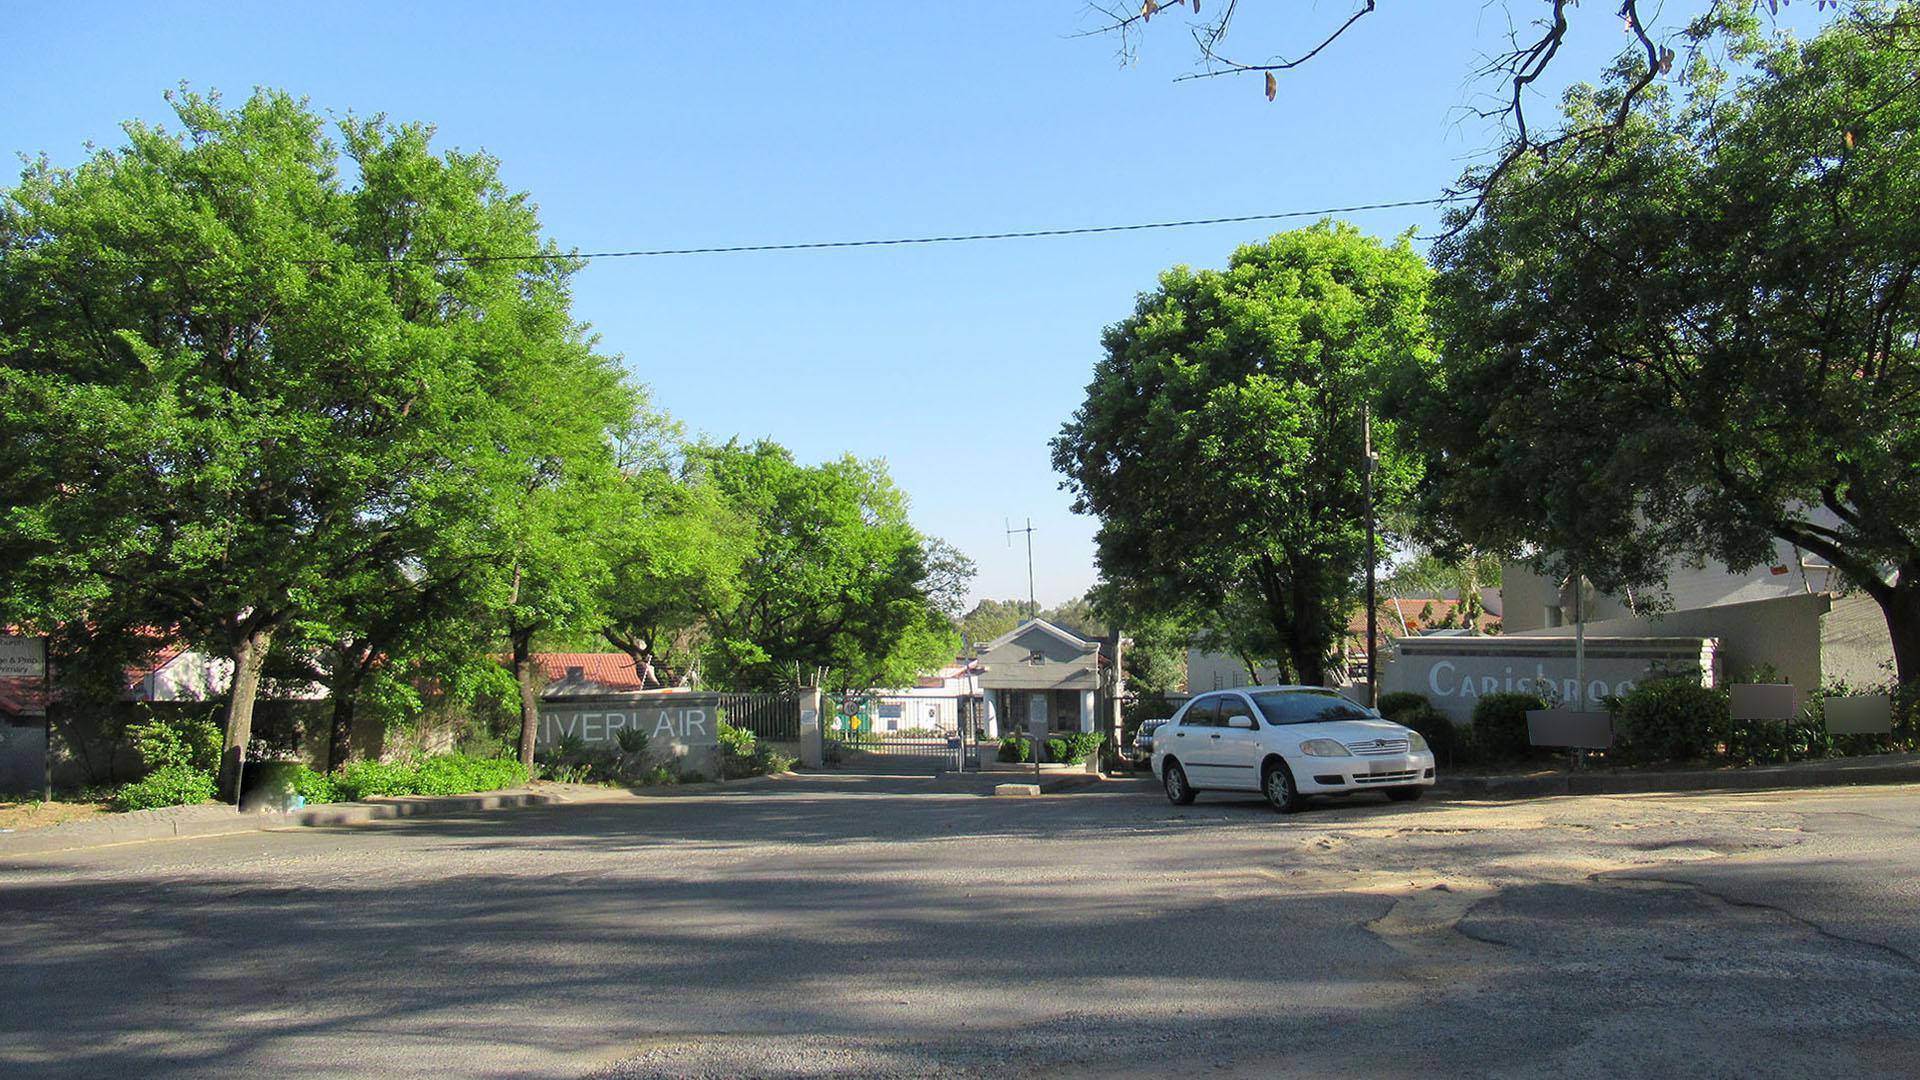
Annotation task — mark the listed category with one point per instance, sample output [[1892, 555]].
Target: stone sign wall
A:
[[681, 728], [1454, 673]]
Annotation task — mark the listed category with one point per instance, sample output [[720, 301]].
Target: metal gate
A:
[[901, 733]]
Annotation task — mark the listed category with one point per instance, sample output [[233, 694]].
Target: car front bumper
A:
[[1318, 776]]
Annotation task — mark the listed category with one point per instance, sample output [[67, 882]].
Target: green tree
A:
[[1705, 339], [678, 556], [991, 618], [1430, 575], [232, 380], [1220, 443], [838, 587]]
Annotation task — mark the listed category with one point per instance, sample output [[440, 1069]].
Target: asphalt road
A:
[[820, 927]]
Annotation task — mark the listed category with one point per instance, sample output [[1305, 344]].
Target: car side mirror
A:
[[1240, 721]]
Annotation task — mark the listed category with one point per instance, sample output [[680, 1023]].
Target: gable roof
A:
[[1068, 636]]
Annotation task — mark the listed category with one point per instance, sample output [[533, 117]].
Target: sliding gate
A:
[[901, 733]]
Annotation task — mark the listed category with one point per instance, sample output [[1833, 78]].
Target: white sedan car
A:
[[1287, 742]]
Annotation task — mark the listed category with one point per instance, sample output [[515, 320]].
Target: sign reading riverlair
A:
[[681, 728], [1454, 673]]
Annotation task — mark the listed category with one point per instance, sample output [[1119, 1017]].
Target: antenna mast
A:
[[1033, 607]]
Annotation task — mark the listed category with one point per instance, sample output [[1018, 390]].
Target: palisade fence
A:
[[771, 716]]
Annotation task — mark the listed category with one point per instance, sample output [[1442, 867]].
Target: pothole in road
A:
[[1424, 926]]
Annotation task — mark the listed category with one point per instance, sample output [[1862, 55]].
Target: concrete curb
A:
[[182, 822], [1810, 774]]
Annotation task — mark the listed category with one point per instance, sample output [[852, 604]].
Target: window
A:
[[890, 712], [1307, 706], [1231, 705], [893, 725], [1202, 713]]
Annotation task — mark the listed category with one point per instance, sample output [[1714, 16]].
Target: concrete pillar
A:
[[992, 699], [813, 747], [1088, 706]]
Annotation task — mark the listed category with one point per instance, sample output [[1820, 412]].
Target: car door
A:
[[1236, 750], [1193, 741]]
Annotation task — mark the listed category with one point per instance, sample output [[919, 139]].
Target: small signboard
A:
[[1860, 714], [1762, 701], [23, 675], [1568, 729], [22, 657]]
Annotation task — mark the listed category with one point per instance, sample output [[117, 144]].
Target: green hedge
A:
[[1673, 719], [168, 785], [1068, 749], [1500, 726], [442, 774], [1445, 738]]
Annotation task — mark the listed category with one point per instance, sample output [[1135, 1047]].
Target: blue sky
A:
[[691, 125]]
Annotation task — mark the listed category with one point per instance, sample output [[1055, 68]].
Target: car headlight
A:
[[1416, 742], [1324, 748]]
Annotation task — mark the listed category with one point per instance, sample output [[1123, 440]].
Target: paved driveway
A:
[[827, 927]]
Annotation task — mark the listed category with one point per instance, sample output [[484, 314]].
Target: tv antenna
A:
[[1033, 607]]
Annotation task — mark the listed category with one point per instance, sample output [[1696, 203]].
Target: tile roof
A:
[[613, 671], [22, 697]]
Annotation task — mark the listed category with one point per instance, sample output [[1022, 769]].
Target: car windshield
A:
[[1307, 707]]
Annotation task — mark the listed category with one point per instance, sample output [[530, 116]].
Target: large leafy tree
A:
[[1221, 442], [1705, 339], [235, 383], [838, 586], [677, 557]]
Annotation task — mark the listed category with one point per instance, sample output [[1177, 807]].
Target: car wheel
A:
[[1277, 784], [1179, 792], [1404, 794]]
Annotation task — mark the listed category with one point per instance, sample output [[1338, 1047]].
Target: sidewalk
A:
[[1831, 772], [176, 822]]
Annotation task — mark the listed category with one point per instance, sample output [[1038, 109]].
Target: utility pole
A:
[[1373, 556], [1033, 607]]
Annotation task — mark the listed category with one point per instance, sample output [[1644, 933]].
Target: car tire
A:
[[1276, 783], [1174, 779], [1404, 794]]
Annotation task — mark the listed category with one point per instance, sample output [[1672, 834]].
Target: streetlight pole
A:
[[1373, 557]]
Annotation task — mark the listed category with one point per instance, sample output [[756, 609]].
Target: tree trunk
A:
[[1901, 607], [249, 656], [340, 737], [346, 697], [523, 673]]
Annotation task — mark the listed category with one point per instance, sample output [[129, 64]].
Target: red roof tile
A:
[[611, 670]]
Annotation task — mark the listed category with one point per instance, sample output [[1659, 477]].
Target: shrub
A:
[[1414, 711], [1014, 748], [1673, 719], [442, 774], [736, 742], [1401, 701], [183, 741], [1500, 726], [168, 785], [360, 779], [1074, 748], [314, 787]]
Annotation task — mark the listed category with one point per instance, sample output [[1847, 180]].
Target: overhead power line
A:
[[821, 245], [961, 238]]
